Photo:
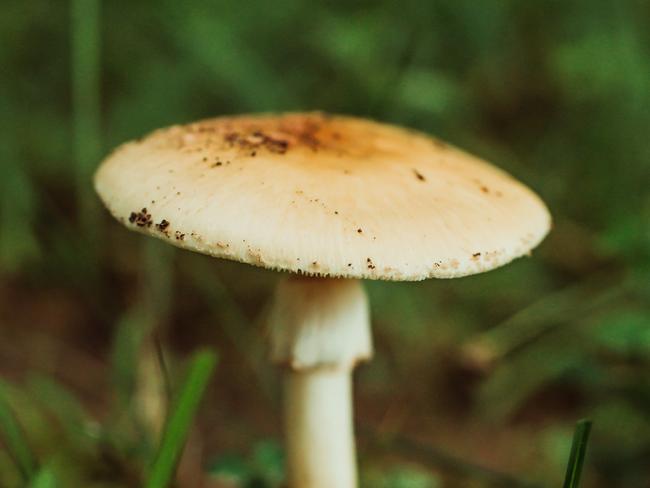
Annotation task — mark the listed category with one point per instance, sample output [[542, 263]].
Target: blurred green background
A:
[[476, 382]]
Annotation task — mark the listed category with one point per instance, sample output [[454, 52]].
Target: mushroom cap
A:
[[324, 195]]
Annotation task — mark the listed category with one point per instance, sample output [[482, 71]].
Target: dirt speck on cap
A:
[[438, 143], [255, 140], [419, 175], [162, 225], [141, 218]]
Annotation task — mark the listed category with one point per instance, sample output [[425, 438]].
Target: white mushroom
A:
[[323, 196]]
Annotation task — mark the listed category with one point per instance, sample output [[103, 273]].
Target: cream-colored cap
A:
[[322, 195]]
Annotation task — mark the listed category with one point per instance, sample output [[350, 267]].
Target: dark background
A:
[[473, 378]]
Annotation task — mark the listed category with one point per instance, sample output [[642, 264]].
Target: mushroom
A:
[[332, 200]]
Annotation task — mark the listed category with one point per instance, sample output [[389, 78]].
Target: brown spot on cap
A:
[[256, 140], [438, 143], [162, 225], [141, 218], [277, 146]]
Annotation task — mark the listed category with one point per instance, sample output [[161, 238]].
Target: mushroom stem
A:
[[319, 431], [320, 329]]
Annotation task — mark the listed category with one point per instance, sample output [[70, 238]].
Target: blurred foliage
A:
[[264, 466], [493, 368]]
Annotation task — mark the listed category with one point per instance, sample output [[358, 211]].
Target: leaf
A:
[[85, 51], [14, 437], [268, 461], [132, 328], [67, 409], [400, 477], [578, 451], [180, 419], [625, 331], [44, 479], [230, 468], [566, 306], [18, 244]]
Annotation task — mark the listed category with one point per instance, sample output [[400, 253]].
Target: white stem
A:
[[319, 431], [320, 329]]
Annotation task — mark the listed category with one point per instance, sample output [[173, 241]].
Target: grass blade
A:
[[63, 407], [85, 44], [14, 438], [578, 450], [180, 419], [44, 479]]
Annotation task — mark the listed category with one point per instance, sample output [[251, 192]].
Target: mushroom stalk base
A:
[[319, 431], [320, 329]]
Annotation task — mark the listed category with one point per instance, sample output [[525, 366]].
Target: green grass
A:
[[85, 44], [180, 419], [15, 440], [578, 451], [44, 479]]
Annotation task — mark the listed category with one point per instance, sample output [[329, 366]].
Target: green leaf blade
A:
[[14, 438], [180, 419], [44, 479], [578, 451]]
